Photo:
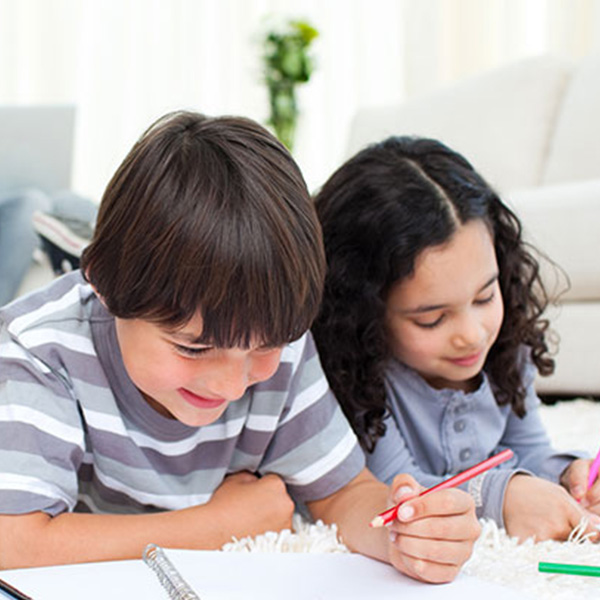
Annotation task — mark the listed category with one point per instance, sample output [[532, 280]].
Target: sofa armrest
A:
[[40, 273], [562, 221]]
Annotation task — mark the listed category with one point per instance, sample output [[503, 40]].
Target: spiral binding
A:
[[168, 575]]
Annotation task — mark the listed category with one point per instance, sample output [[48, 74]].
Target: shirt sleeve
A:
[[314, 448], [41, 435], [392, 456], [529, 440], [534, 455]]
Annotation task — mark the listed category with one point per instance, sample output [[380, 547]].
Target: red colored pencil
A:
[[390, 514]]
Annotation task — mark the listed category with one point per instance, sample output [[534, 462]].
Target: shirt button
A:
[[465, 454], [459, 425]]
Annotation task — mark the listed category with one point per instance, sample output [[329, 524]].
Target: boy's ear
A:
[[100, 296]]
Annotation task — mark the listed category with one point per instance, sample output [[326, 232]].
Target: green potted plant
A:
[[287, 64]]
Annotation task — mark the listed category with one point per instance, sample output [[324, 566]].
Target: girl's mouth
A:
[[466, 361]]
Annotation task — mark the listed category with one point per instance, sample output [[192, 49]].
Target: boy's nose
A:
[[229, 382]]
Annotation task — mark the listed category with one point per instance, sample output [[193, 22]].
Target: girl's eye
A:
[[189, 351], [430, 325], [486, 300]]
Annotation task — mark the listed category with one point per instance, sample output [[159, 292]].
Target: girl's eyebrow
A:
[[432, 307]]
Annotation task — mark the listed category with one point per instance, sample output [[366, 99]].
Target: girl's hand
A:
[[535, 507], [433, 535], [575, 479]]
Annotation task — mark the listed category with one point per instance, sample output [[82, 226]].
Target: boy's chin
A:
[[199, 418]]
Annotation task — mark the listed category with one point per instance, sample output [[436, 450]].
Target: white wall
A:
[[125, 62]]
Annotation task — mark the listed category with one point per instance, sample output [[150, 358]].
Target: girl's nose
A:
[[469, 332]]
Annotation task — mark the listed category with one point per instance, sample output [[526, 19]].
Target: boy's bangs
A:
[[239, 308], [253, 283]]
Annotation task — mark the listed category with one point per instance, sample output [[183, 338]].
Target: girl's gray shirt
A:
[[433, 434]]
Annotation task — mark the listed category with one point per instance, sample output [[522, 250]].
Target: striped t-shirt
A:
[[77, 435]]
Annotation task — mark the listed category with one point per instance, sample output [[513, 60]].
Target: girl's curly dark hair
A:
[[379, 211]]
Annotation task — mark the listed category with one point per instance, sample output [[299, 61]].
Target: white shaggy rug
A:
[[572, 425]]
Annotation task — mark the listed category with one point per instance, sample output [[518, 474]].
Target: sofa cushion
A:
[[575, 326], [500, 120], [562, 221], [574, 153]]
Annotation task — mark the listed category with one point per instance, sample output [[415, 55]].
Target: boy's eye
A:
[[266, 349], [430, 324], [190, 351]]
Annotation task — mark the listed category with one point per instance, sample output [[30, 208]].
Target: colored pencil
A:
[[594, 471], [7, 590], [568, 569], [390, 514]]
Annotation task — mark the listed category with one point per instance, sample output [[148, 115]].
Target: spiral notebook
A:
[[272, 576], [170, 578]]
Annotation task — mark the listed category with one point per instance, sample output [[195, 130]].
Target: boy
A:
[[168, 392]]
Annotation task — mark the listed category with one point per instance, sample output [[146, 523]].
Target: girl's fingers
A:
[[456, 528], [575, 478], [403, 487], [437, 504], [434, 561]]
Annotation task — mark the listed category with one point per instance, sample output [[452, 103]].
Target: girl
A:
[[430, 334]]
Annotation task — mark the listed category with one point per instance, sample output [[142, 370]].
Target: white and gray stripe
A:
[[75, 434]]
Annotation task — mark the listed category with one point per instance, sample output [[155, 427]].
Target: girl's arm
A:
[[430, 543], [242, 506], [528, 438], [392, 456]]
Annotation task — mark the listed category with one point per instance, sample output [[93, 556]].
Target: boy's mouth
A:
[[200, 401]]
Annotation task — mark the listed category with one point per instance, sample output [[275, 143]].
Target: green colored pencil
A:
[[566, 569]]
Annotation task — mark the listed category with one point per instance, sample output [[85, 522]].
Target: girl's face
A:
[[193, 383], [443, 320]]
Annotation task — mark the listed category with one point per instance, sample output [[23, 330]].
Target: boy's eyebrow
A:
[[431, 307], [190, 338], [196, 340]]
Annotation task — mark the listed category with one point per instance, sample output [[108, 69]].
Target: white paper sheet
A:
[[248, 576]]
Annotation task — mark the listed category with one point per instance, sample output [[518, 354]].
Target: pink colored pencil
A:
[[390, 514], [594, 471]]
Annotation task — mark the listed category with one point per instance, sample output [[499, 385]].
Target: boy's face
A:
[[443, 320], [193, 383]]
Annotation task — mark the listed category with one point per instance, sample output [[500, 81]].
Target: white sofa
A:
[[532, 128]]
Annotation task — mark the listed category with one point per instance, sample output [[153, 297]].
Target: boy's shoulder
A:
[[299, 368], [66, 303]]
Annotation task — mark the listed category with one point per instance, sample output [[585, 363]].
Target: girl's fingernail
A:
[[403, 491], [393, 537], [595, 521], [577, 491], [405, 513]]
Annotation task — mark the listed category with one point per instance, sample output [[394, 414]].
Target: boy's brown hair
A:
[[210, 215]]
